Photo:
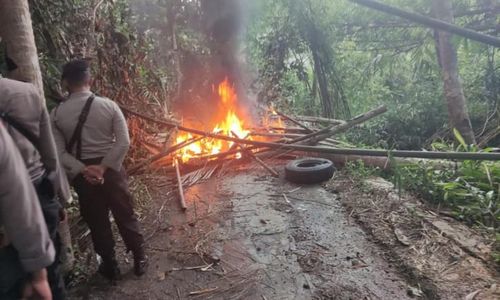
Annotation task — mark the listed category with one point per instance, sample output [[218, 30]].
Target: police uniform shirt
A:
[[21, 218], [22, 102], [104, 134]]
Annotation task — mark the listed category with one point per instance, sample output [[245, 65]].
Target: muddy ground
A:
[[247, 235]]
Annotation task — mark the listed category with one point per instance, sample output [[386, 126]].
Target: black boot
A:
[[140, 262], [109, 269]]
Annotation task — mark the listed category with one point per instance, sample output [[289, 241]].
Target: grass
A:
[[469, 189]]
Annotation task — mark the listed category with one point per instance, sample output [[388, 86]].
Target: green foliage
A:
[[359, 170], [378, 59], [471, 189]]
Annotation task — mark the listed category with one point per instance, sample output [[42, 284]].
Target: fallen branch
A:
[[179, 185], [325, 133], [307, 129], [163, 154], [430, 22], [126, 110], [258, 160], [202, 268], [332, 130], [205, 291], [351, 123], [319, 120]]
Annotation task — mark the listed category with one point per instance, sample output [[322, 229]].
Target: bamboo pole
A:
[[179, 185], [351, 123], [307, 129], [319, 120], [258, 160], [162, 154], [399, 153], [313, 137], [332, 130], [430, 22]]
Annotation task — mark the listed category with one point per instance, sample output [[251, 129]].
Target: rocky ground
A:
[[247, 235]]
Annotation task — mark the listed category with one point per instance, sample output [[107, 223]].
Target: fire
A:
[[272, 119], [231, 124]]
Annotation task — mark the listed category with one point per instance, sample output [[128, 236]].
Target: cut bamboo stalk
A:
[[258, 160], [325, 133], [351, 123], [179, 185], [319, 120], [431, 22], [163, 154], [311, 137], [307, 129]]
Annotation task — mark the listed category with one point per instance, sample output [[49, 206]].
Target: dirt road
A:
[[251, 236]]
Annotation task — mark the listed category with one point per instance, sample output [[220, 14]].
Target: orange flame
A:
[[272, 119], [230, 125]]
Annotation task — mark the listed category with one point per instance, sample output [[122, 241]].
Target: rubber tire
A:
[[309, 170]]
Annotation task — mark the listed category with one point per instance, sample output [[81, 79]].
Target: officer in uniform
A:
[[25, 245], [26, 118], [92, 140]]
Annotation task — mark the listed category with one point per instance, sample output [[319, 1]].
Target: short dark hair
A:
[[76, 72]]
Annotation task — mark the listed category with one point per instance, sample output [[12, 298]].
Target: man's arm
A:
[[114, 158], [72, 165], [20, 211], [49, 157], [47, 145]]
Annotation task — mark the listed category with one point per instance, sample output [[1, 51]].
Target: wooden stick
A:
[[170, 124], [311, 137], [127, 110], [325, 133], [179, 185], [307, 129], [319, 120], [351, 123], [283, 129], [162, 154], [332, 130], [261, 162], [258, 160], [205, 291]]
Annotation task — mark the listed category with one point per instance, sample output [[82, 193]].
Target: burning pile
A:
[[234, 136], [231, 123]]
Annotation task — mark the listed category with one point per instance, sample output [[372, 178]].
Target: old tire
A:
[[309, 170]]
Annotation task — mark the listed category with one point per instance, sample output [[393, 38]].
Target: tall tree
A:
[[17, 33], [447, 58]]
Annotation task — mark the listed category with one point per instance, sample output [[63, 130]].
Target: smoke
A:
[[222, 21], [221, 24]]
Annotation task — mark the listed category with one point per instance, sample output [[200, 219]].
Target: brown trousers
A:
[[96, 201]]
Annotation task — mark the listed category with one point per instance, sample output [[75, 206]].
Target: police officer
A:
[[25, 245], [92, 139], [26, 118]]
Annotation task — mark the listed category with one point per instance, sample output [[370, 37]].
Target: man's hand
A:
[[94, 174], [38, 287]]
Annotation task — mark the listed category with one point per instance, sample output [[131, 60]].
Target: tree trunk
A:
[[17, 33], [174, 49], [447, 58]]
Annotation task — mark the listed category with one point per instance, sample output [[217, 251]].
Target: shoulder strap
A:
[[30, 136], [76, 138]]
